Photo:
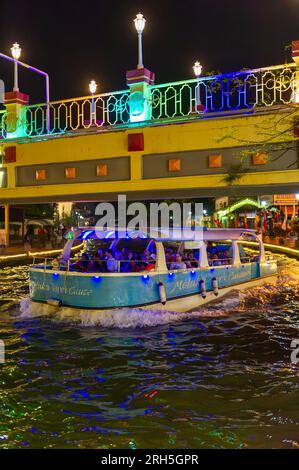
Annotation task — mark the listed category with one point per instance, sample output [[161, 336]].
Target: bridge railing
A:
[[241, 91], [229, 92], [86, 112]]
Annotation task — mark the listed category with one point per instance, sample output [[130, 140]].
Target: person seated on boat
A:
[[128, 265], [169, 254], [97, 264], [125, 252], [145, 256], [215, 261], [211, 249], [82, 263], [151, 263], [225, 258], [101, 253], [178, 262], [111, 263], [190, 260]]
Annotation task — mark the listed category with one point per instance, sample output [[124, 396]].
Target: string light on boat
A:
[[170, 275], [55, 275], [96, 278]]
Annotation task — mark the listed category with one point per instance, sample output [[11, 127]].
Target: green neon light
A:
[[237, 205]]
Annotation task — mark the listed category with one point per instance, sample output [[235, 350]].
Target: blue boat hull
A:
[[105, 291]]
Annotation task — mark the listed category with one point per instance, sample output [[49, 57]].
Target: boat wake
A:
[[265, 299], [116, 318]]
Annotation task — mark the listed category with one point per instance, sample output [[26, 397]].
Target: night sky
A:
[[75, 41]]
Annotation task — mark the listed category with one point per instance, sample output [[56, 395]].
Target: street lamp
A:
[[139, 22], [197, 69], [16, 53], [92, 88]]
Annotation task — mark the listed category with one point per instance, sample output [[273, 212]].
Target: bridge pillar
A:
[[6, 224], [139, 82], [16, 120], [295, 56]]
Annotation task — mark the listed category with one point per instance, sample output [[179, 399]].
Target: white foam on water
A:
[[234, 301], [113, 318]]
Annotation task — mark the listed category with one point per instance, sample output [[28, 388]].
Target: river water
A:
[[218, 378]]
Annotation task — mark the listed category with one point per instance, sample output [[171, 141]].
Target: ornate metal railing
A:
[[241, 91], [229, 92], [79, 113]]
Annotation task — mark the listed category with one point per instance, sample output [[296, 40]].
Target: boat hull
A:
[[106, 291]]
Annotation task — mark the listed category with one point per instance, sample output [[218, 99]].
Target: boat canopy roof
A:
[[160, 234]]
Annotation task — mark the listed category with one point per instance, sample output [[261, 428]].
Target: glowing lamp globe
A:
[[297, 197], [139, 23], [93, 87], [197, 68], [16, 51]]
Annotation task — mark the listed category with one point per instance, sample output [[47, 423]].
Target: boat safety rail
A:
[[189, 264], [47, 263], [228, 261], [100, 265]]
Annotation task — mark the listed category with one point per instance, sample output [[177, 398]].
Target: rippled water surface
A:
[[218, 378]]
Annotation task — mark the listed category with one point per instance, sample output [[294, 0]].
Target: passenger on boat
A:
[[128, 265], [211, 249], [97, 264], [190, 260], [178, 263], [225, 258], [215, 261], [111, 263], [101, 253], [170, 255], [82, 263]]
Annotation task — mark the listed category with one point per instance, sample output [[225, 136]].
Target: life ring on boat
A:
[[162, 293], [202, 288], [215, 286]]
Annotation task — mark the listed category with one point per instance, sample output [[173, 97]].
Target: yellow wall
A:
[[209, 133]]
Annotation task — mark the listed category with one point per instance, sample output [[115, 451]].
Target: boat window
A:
[[178, 257], [119, 255], [219, 253], [247, 253]]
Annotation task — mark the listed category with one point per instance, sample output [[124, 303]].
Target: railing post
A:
[[295, 56], [16, 120], [140, 101]]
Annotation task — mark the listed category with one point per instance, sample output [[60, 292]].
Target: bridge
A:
[[230, 134]]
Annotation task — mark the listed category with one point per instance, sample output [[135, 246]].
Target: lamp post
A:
[[139, 22], [197, 69], [34, 69], [16, 52], [92, 88]]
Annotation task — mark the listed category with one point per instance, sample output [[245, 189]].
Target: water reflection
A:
[[218, 381]]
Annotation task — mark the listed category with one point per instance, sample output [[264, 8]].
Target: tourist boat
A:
[[60, 283]]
